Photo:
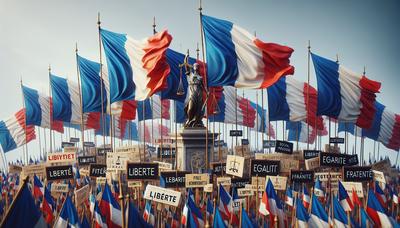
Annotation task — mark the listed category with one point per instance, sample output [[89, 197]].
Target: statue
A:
[[195, 105]]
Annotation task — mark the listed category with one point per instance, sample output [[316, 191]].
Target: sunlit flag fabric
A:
[[39, 109], [271, 204], [136, 69], [237, 58], [344, 95], [218, 220], [340, 217], [110, 208], [91, 85], [344, 198], [155, 108], [290, 99], [91, 120], [68, 216], [195, 214], [302, 215], [298, 132], [13, 132], [306, 197], [66, 100], [97, 217], [24, 212], [376, 211], [318, 217]]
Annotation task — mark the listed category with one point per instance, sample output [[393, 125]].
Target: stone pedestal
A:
[[191, 153]]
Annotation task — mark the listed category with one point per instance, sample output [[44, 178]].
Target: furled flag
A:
[[340, 217], [376, 211], [218, 220], [14, 132], [289, 196], [306, 197], [97, 217], [380, 195], [39, 110], [344, 95], [66, 99], [133, 217], [344, 198], [195, 214], [302, 215], [227, 104], [48, 206], [91, 86], [110, 208], [38, 189], [236, 58], [23, 212], [153, 108], [136, 69], [318, 217], [68, 216]]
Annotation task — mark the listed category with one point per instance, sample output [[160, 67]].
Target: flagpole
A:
[[308, 94], [101, 83], [25, 181], [51, 111], [25, 127], [80, 99], [262, 126]]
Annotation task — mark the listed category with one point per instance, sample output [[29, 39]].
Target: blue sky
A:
[[35, 34]]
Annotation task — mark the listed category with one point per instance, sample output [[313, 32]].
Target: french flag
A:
[[376, 212], [118, 130], [91, 120], [68, 216], [147, 211], [298, 132], [110, 208], [184, 216], [306, 198], [237, 58], [225, 204], [66, 100], [289, 197], [380, 195], [39, 110], [344, 95], [318, 191], [271, 204], [340, 217], [261, 121], [195, 213], [302, 215], [97, 217], [151, 135], [318, 217], [344, 198], [288, 99], [38, 189], [131, 131], [154, 108], [13, 132], [136, 69], [48, 206]]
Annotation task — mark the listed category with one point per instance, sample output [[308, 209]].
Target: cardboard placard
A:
[[332, 159], [174, 179], [101, 151], [14, 169], [86, 160], [269, 144], [224, 181], [74, 140], [56, 187], [312, 163], [89, 144], [258, 181], [196, 180], [65, 157], [101, 180], [235, 133], [134, 184], [283, 147], [325, 176], [30, 170], [70, 149], [118, 161], [166, 152], [84, 172], [307, 154], [357, 186], [263, 168], [279, 182], [67, 144], [208, 188], [302, 176], [162, 195], [142, 171], [234, 165], [164, 166], [82, 194], [97, 170], [279, 156], [287, 165], [243, 150], [336, 140], [357, 173], [242, 192], [239, 182], [261, 188], [218, 168], [62, 172]]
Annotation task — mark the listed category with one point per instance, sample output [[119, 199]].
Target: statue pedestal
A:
[[191, 153]]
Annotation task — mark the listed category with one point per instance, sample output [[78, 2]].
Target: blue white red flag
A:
[[154, 108], [110, 208], [376, 211], [68, 216], [236, 58], [302, 215], [340, 217], [318, 217], [344, 198]]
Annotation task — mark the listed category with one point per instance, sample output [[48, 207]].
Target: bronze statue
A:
[[195, 104]]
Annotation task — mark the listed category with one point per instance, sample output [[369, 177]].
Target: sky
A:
[[34, 34]]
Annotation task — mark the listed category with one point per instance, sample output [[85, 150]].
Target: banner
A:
[[325, 176], [283, 147], [64, 157], [337, 160], [63, 172], [55, 187], [97, 170], [162, 195], [142, 171], [235, 133], [264, 167], [196, 180], [234, 165], [174, 179], [30, 170], [336, 140], [86, 160], [302, 176], [357, 173]]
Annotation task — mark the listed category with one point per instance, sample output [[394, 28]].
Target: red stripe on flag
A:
[[394, 141], [367, 99]]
